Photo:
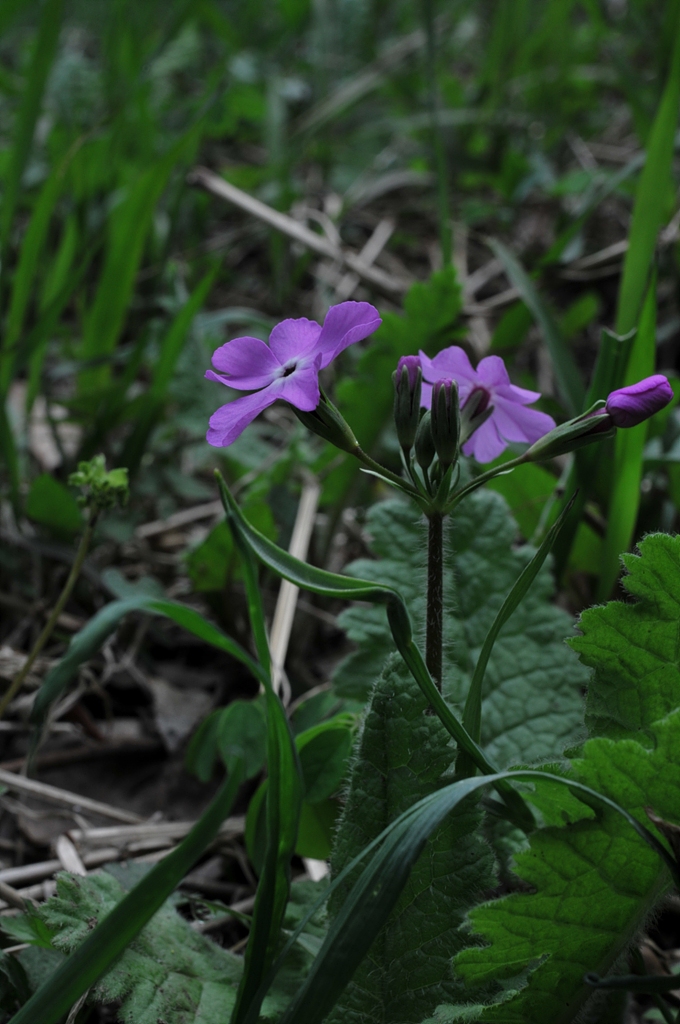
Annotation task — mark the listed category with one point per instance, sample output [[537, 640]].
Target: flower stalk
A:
[[434, 629], [46, 632]]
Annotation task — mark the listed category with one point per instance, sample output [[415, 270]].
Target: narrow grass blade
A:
[[628, 456], [472, 715], [128, 229], [8, 450], [8, 12], [590, 468], [567, 374], [94, 957], [372, 898], [29, 109], [171, 348], [591, 202], [284, 801], [650, 200], [31, 249]]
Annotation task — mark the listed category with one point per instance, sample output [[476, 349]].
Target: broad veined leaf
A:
[[319, 581], [594, 881], [378, 888], [532, 704], [169, 972], [402, 755]]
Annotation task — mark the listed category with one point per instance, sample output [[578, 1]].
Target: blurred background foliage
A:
[[426, 130]]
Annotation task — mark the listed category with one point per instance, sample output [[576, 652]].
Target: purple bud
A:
[[412, 364], [408, 379], [445, 420], [632, 405]]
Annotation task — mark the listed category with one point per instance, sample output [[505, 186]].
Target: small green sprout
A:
[[102, 489]]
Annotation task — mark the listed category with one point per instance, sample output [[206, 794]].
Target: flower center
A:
[[478, 400], [288, 369]]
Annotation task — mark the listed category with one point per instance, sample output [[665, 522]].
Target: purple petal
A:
[[231, 420], [492, 372], [248, 363], [486, 444], [344, 324], [301, 388], [211, 375], [519, 394], [515, 422], [451, 362], [426, 396], [293, 338]]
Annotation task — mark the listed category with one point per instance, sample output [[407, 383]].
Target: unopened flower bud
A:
[[408, 379], [632, 405], [424, 443], [446, 421]]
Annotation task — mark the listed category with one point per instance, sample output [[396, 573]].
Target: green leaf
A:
[[380, 884], [319, 581], [403, 755], [593, 881], [202, 753], [169, 972], [316, 829], [532, 704], [633, 647], [242, 736], [323, 751], [50, 503]]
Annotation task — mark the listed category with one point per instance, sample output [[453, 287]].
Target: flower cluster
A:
[[441, 404]]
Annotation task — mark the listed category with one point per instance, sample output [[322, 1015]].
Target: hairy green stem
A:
[[435, 597], [46, 633]]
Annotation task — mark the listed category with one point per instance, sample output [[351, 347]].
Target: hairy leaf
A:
[[595, 882], [169, 972], [403, 755], [532, 704]]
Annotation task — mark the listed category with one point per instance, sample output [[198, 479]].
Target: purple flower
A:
[[629, 406], [510, 419], [288, 367]]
